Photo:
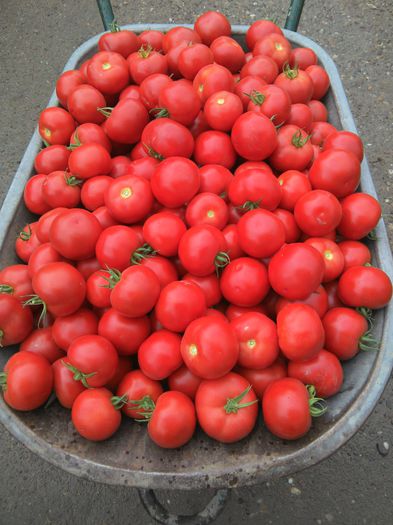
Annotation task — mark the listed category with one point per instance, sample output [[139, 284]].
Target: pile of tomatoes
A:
[[199, 245]]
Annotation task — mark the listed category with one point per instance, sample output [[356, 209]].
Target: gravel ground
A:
[[354, 486]]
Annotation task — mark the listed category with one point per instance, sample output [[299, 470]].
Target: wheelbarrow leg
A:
[[160, 514], [294, 14], [106, 12]]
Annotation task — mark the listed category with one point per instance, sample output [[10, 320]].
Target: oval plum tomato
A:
[[175, 181], [95, 414], [173, 421], [287, 408], [26, 381], [164, 269], [56, 125], [320, 131], [164, 138], [66, 83], [52, 158], [124, 366], [211, 25], [297, 83], [45, 223], [365, 286], [16, 321], [228, 53], [108, 72], [302, 57], [40, 342], [207, 208], [83, 103], [98, 289], [93, 191], [300, 115], [260, 66], [244, 282], [275, 46], [227, 408], [231, 235], [324, 372], [355, 253], [126, 121], [126, 334], [64, 384], [332, 256], [202, 249], [261, 234], [61, 189], [257, 337], [141, 393], [142, 285], [89, 132], [146, 62], [89, 160], [317, 300], [261, 379], [222, 109], [15, 280], [294, 184], [318, 110], [271, 101], [254, 136], [115, 247], [209, 284], [33, 196], [360, 215], [93, 359], [177, 35], [320, 80], [61, 287], [318, 212], [150, 88], [179, 101], [214, 147], [120, 41], [209, 347], [179, 304], [144, 167], [74, 234], [159, 355], [182, 380], [294, 150], [129, 199], [246, 86], [337, 171], [255, 188], [212, 78], [346, 332], [300, 332], [292, 231], [258, 30], [214, 179], [68, 328], [152, 37], [163, 231], [296, 271], [345, 140], [27, 241], [192, 58]]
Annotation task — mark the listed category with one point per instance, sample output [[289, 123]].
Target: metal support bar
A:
[[294, 14], [106, 12]]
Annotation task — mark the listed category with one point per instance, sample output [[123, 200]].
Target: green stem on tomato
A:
[[35, 300], [318, 405], [3, 381], [233, 405], [144, 406], [78, 375]]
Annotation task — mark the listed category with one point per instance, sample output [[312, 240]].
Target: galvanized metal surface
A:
[[130, 458]]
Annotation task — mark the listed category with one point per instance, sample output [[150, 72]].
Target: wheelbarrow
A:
[[130, 458]]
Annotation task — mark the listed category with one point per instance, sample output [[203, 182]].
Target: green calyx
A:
[[153, 153], [76, 143], [256, 97], [106, 111], [3, 381], [113, 278], [145, 51], [25, 235], [290, 73], [119, 402], [234, 404], [221, 260], [35, 300], [1, 338], [160, 113], [72, 180], [114, 27], [318, 405], [78, 375], [144, 406], [298, 141], [251, 205], [368, 342], [144, 252], [6, 288], [372, 236], [367, 313]]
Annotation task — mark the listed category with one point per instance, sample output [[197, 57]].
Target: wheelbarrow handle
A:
[[160, 514], [106, 12]]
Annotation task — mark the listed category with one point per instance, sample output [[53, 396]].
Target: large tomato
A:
[[214, 147], [56, 125], [222, 109], [360, 215], [254, 136], [365, 286], [108, 72], [16, 321], [294, 150], [159, 355], [211, 25], [271, 101], [318, 212], [245, 282], [126, 121], [120, 41], [297, 83], [337, 171], [129, 199], [255, 187], [212, 78], [175, 181], [179, 101], [261, 233], [164, 138]]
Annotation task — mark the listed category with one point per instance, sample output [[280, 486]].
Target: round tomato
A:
[[84, 102], [365, 286], [211, 25], [66, 83], [66, 329], [207, 208], [45, 223], [228, 53], [56, 125], [16, 280], [125, 333], [164, 138], [360, 215], [60, 189], [318, 110], [231, 235], [89, 160], [164, 268], [261, 379], [108, 72], [345, 140], [182, 380], [126, 121], [294, 184], [300, 115], [318, 212], [120, 41], [141, 394], [332, 256], [64, 384], [261, 234], [337, 171], [222, 109], [175, 181], [52, 158], [214, 147], [260, 66], [254, 136], [317, 300], [297, 83], [93, 191], [33, 195], [41, 342], [271, 101], [212, 78], [275, 46], [247, 85], [192, 58], [244, 282], [129, 199], [115, 247], [146, 62], [159, 355], [16, 321], [255, 188], [294, 150], [355, 253], [320, 80], [258, 30], [179, 101], [153, 38], [302, 57]]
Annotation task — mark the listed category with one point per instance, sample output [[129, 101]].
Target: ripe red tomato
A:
[[247, 85], [231, 235], [40, 342], [153, 38], [164, 138], [175, 181], [56, 125], [254, 136], [149, 90], [271, 101], [227, 407], [261, 234], [15, 280], [115, 247], [317, 300], [27, 241], [211, 25], [228, 53], [212, 78], [64, 384], [258, 30], [129, 199], [355, 253], [320, 80], [52, 158], [360, 215], [302, 57], [108, 72], [177, 35], [297, 83], [124, 366], [87, 133], [222, 109], [345, 140], [68, 328], [261, 379], [141, 394], [61, 189], [320, 131], [88, 267], [233, 311], [207, 208], [275, 46], [16, 321], [126, 121], [365, 286], [332, 256], [163, 231], [83, 104], [318, 110], [173, 421], [146, 62], [262, 67], [159, 354], [296, 271], [182, 380], [143, 167], [300, 115], [26, 381], [210, 286], [244, 282], [95, 414], [294, 150], [192, 58], [164, 269], [89, 160], [42, 255], [294, 184], [332, 294], [337, 171], [292, 231], [120, 41], [33, 196], [93, 191], [179, 101], [66, 83], [318, 212]]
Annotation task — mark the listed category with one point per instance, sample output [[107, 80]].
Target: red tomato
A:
[[296, 271], [125, 333], [150, 89], [212, 78], [180, 303], [294, 184], [336, 171], [153, 38], [214, 147], [173, 57], [52, 158], [88, 266], [93, 191], [83, 104], [233, 311], [318, 212], [261, 234], [244, 282], [141, 393], [64, 384], [42, 255], [332, 256], [271, 101], [292, 231], [108, 72], [317, 300], [222, 109], [33, 195], [16, 280], [294, 151], [116, 246], [246, 86], [164, 269], [26, 381], [365, 286], [207, 208], [211, 25], [163, 231], [124, 366], [159, 355], [254, 136], [360, 215], [318, 110], [228, 53], [177, 35], [332, 294], [66, 83], [120, 41], [261, 379], [275, 46], [320, 80], [164, 138], [355, 253], [258, 30], [192, 58], [320, 131], [199, 125], [68, 328], [61, 190], [146, 62], [231, 235], [104, 217], [255, 188], [126, 121], [143, 167], [95, 414], [297, 83], [179, 101], [345, 140], [87, 133], [300, 115], [45, 223], [89, 160], [214, 179], [56, 125], [27, 241], [40, 342], [209, 284], [129, 199], [227, 407], [173, 421], [175, 181], [16, 321], [260, 66], [302, 57], [182, 380], [257, 337]]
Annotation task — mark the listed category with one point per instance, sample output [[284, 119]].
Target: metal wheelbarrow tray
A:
[[130, 457]]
